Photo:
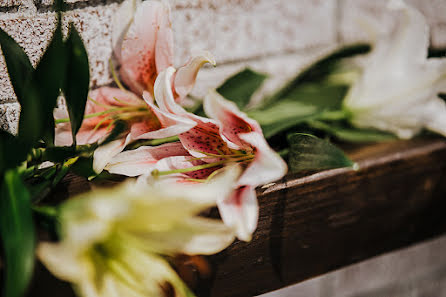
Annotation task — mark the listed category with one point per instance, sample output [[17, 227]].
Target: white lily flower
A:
[[398, 90], [114, 241]]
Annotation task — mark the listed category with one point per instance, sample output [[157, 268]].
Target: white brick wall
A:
[[276, 37]]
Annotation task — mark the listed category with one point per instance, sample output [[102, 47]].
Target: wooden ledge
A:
[[313, 224], [318, 223]]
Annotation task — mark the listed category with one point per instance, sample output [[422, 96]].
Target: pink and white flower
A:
[[108, 105], [145, 49], [228, 137]]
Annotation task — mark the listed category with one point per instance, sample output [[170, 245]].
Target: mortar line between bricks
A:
[[79, 5], [9, 9], [8, 101]]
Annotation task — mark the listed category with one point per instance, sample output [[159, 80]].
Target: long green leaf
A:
[[307, 152], [13, 151], [320, 70], [50, 76], [283, 115], [350, 134], [40, 93], [17, 234], [17, 62], [240, 87], [78, 80]]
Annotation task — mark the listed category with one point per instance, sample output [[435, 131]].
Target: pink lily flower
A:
[[145, 50], [108, 105], [228, 137]]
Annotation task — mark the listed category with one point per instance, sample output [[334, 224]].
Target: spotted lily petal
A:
[[147, 48], [232, 121], [205, 137]]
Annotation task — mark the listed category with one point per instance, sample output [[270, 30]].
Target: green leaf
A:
[[307, 152], [324, 96], [17, 62], [78, 80], [84, 167], [32, 121], [40, 93], [12, 151], [17, 234], [351, 134], [283, 115], [321, 70], [49, 77], [240, 87]]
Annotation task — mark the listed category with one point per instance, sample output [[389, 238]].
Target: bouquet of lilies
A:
[[183, 156]]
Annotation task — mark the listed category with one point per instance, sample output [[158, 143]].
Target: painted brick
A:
[[270, 27], [94, 24], [248, 29], [32, 32], [9, 117], [358, 17], [6, 3]]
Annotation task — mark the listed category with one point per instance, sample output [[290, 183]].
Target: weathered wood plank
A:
[[317, 223], [314, 224]]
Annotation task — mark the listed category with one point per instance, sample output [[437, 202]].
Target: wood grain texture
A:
[[314, 224]]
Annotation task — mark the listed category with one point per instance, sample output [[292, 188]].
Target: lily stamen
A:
[[115, 77]]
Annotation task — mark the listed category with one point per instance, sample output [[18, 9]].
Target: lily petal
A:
[[411, 40], [399, 85], [241, 211], [194, 236], [233, 121], [267, 165], [105, 153], [205, 136], [187, 74], [161, 125], [143, 159], [147, 41], [52, 255], [121, 22]]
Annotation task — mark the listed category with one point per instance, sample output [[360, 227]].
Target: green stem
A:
[[154, 142], [196, 168], [334, 115], [115, 77], [47, 211], [283, 153]]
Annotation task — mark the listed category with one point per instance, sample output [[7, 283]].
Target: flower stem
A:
[[334, 115], [47, 211], [115, 77], [198, 167]]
